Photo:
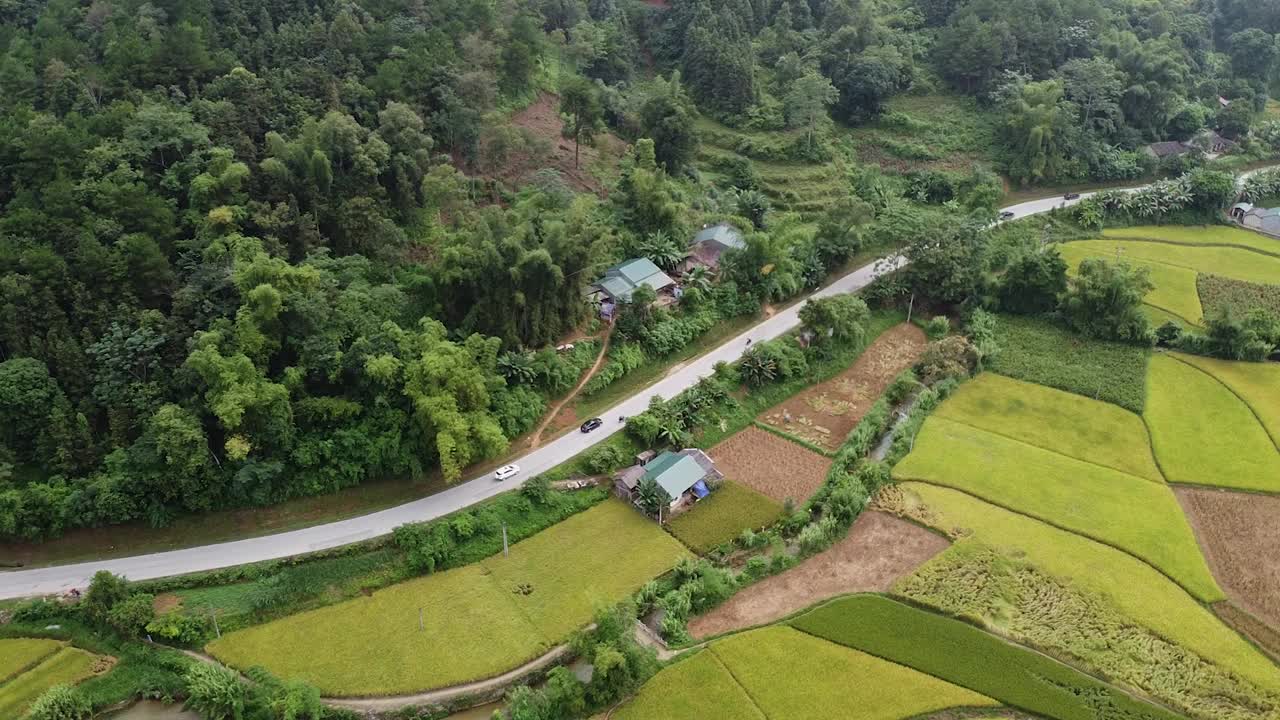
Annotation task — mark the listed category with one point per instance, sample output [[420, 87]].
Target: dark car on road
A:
[[591, 424], [1071, 196], [1006, 215]]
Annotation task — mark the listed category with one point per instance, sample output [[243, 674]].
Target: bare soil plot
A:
[[826, 413], [878, 550], [1241, 540], [1262, 635], [542, 120], [770, 465]]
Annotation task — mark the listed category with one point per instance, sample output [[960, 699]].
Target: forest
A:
[[255, 252]]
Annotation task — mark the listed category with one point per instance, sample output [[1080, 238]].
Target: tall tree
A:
[[584, 115]]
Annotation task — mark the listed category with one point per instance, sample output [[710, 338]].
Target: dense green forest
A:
[[249, 253]]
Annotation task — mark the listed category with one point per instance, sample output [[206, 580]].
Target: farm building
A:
[[1208, 142], [686, 476], [1265, 220], [709, 245], [621, 280]]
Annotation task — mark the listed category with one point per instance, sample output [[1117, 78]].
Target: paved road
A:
[[56, 579]]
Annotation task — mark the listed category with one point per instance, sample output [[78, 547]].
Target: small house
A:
[[687, 476], [707, 247], [621, 280], [1162, 150]]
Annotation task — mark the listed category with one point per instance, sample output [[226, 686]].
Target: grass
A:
[[1202, 235], [1127, 512], [919, 132], [723, 516], [1258, 384], [1065, 423], [67, 666], [479, 620], [1175, 289], [1141, 593], [1234, 262], [1040, 352], [695, 687], [1203, 434], [969, 657], [789, 675], [20, 654]]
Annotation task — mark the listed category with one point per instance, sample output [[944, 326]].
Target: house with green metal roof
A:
[[621, 280], [686, 476]]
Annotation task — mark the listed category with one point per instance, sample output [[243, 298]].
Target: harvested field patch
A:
[[770, 465], [1262, 635], [542, 120], [1128, 512], [1203, 433], [1141, 593], [826, 413], [723, 516], [878, 550], [1241, 538]]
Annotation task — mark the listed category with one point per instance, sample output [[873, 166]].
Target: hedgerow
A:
[[964, 655], [1040, 352]]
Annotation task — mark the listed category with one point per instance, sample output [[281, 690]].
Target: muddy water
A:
[[152, 710], [480, 712]]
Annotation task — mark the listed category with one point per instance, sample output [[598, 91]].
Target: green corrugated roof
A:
[[675, 473], [638, 270], [726, 235], [620, 280]]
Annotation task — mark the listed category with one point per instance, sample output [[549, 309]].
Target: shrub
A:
[[952, 357], [1104, 300], [937, 327], [60, 702], [130, 616], [604, 458], [1168, 333]]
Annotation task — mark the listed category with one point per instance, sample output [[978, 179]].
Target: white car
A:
[[505, 472]]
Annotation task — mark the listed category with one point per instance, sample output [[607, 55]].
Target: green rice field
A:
[[723, 516], [66, 666], [1257, 384], [1175, 291]]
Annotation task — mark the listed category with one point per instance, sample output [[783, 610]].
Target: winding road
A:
[[56, 579]]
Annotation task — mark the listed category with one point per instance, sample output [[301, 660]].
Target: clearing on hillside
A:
[[789, 674], [1241, 538], [1055, 420], [826, 413], [542, 120], [770, 465], [1142, 595], [477, 621], [723, 516], [878, 550], [1135, 515], [1203, 434]]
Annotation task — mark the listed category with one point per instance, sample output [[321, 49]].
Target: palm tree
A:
[[651, 497], [758, 368], [517, 367], [662, 249], [697, 282]]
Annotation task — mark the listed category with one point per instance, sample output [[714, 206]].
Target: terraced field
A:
[[783, 674], [35, 667], [476, 621], [1205, 434], [798, 186]]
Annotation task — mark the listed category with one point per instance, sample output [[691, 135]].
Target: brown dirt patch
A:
[[826, 413], [770, 465], [1251, 627], [164, 603], [1241, 541], [542, 119], [878, 550]]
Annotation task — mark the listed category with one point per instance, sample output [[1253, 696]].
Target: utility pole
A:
[[214, 615], [504, 539], [420, 625], [911, 306]]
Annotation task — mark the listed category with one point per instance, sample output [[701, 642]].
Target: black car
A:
[[1071, 196], [591, 424], [1006, 215]]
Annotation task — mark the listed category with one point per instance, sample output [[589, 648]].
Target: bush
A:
[[952, 357], [60, 702], [1168, 333], [604, 458], [937, 327]]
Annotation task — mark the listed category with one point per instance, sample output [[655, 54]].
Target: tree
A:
[[864, 83], [1094, 85], [60, 702], [1253, 55], [1104, 300], [840, 318], [1235, 119], [1035, 129], [584, 115], [807, 102], [131, 615], [667, 118], [651, 496], [105, 592], [1033, 283]]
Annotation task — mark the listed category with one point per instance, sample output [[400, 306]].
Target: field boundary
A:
[[1128, 238], [1088, 536], [798, 441], [741, 686], [1020, 441], [1180, 316], [1237, 396]]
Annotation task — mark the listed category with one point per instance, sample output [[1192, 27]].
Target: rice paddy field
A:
[[1235, 262], [35, 667], [1074, 495], [785, 674], [1256, 384], [1201, 235], [476, 621], [1175, 291], [1205, 434], [723, 516]]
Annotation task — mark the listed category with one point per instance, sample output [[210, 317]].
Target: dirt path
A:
[[536, 438], [878, 550]]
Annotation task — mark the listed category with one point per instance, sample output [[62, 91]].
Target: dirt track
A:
[[878, 550]]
